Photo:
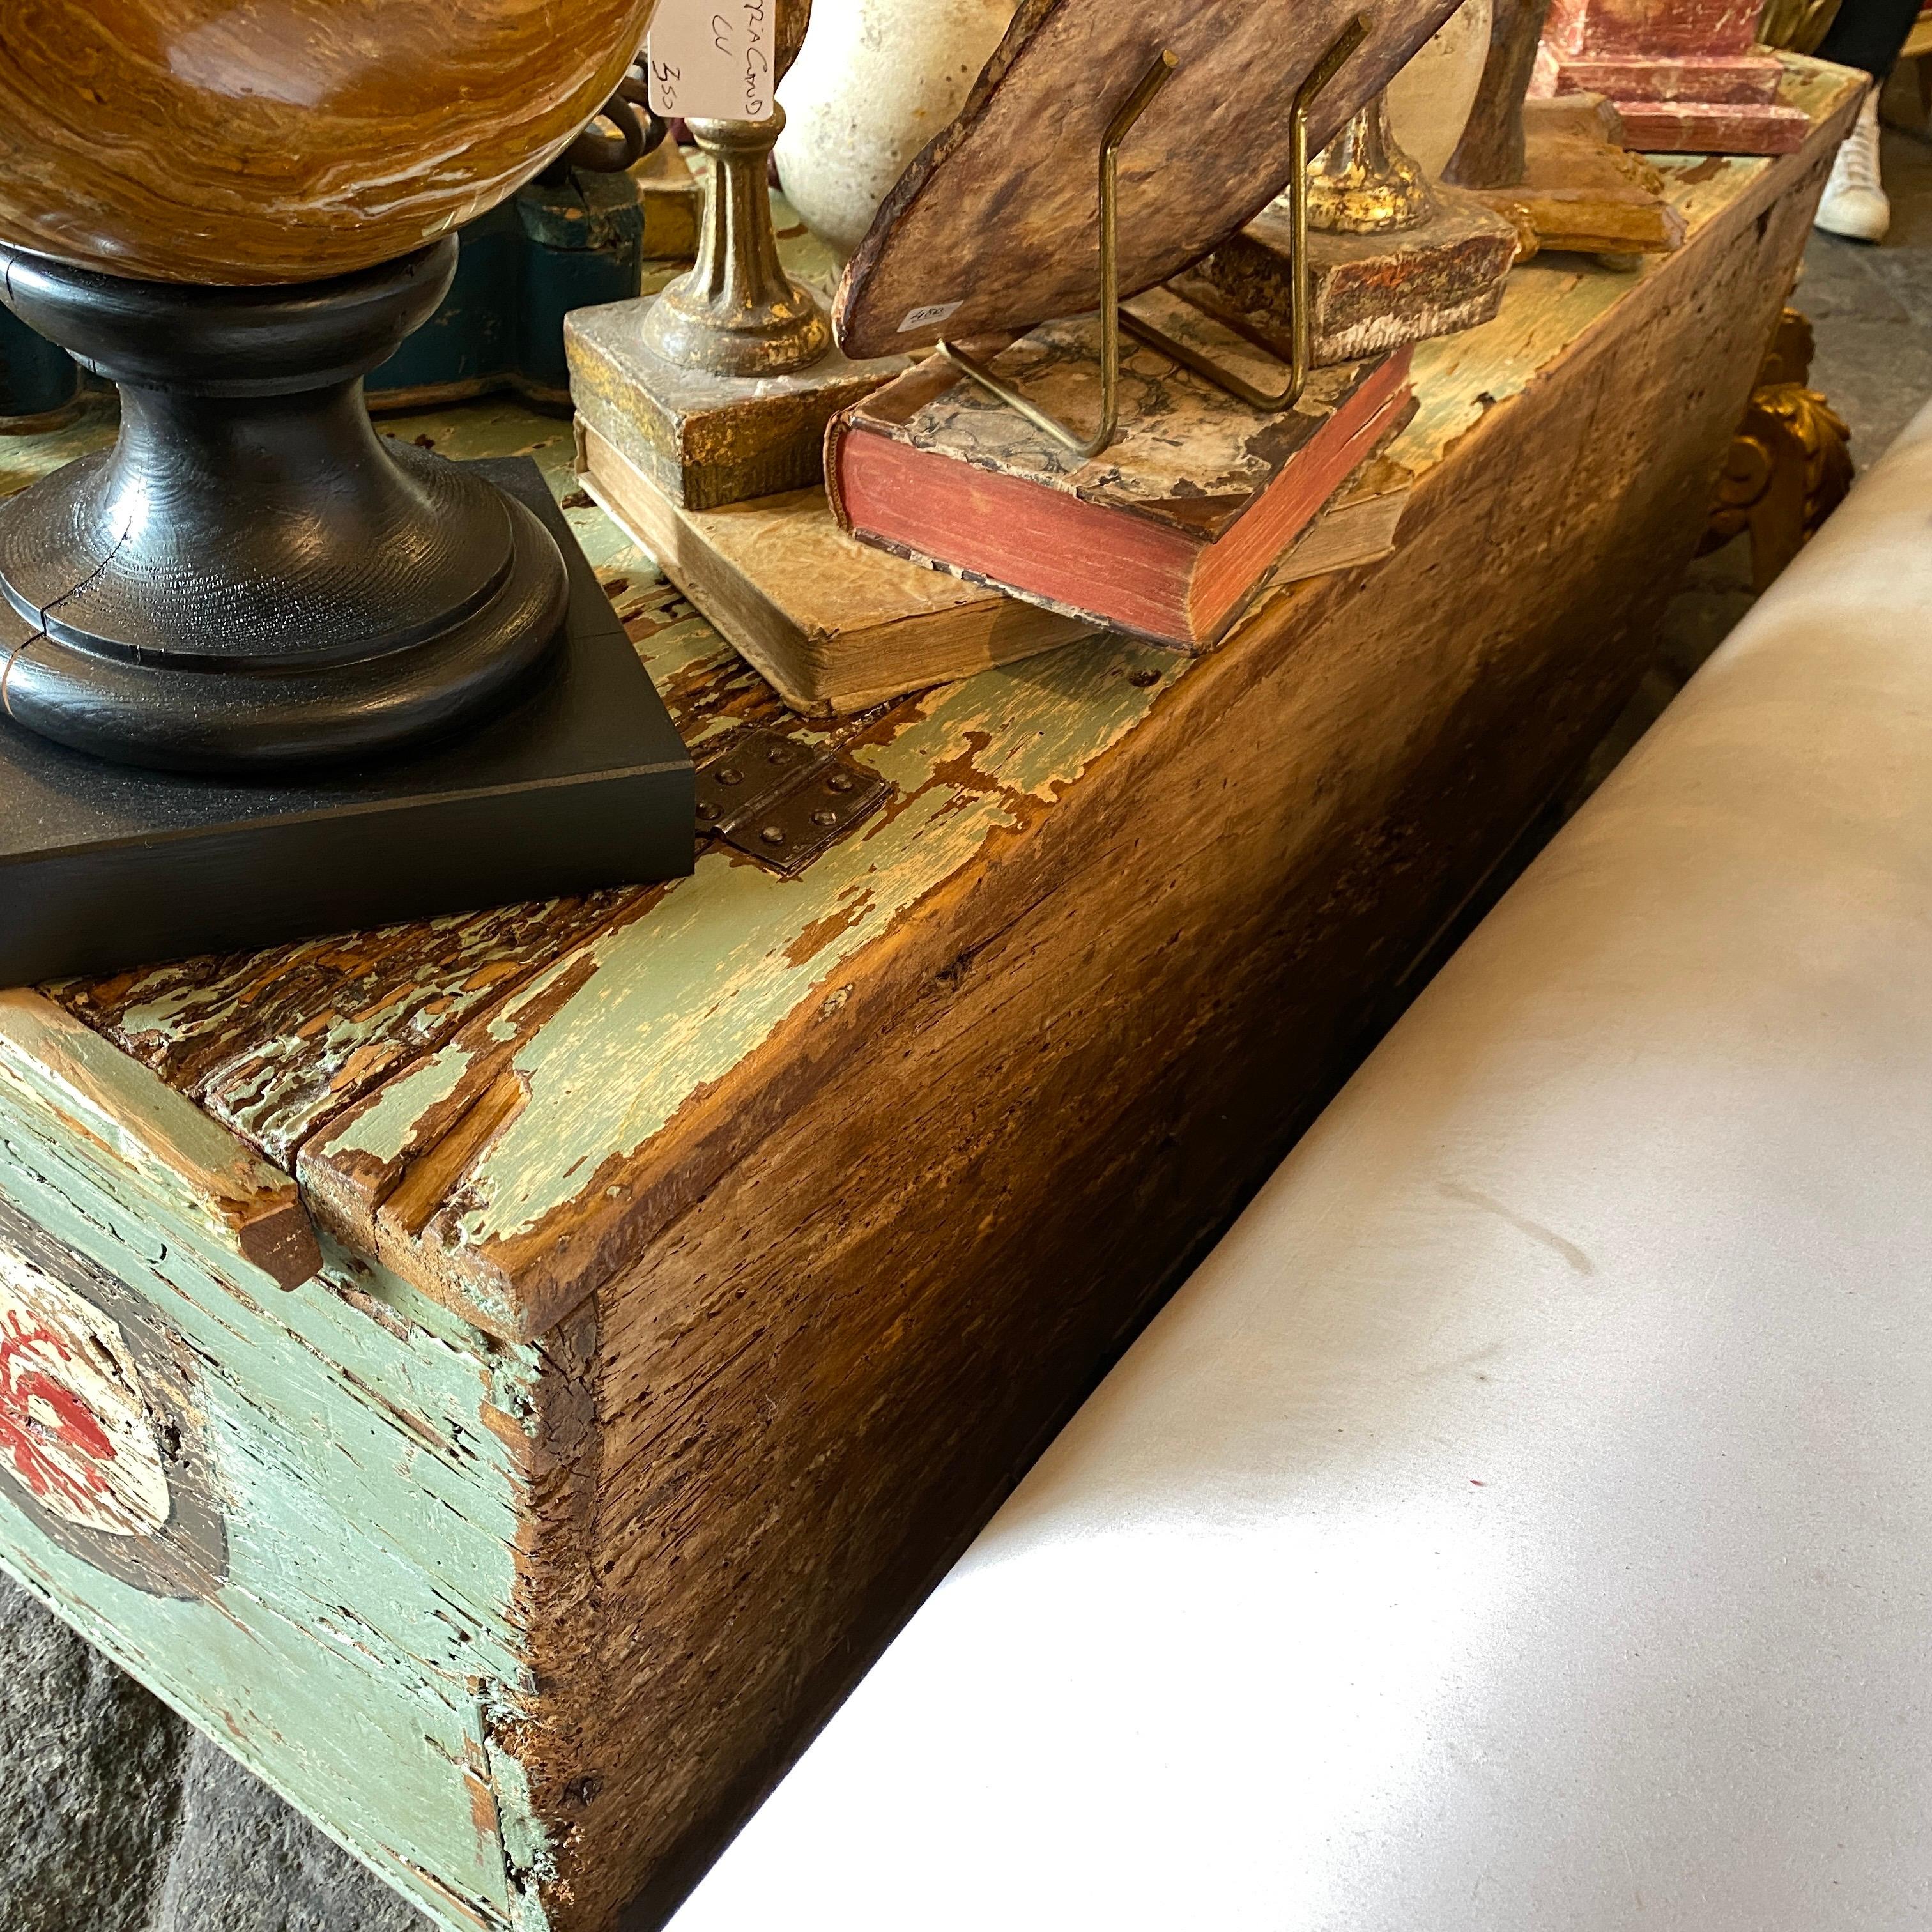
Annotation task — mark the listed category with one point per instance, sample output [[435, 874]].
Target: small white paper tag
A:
[[711, 60], [929, 317]]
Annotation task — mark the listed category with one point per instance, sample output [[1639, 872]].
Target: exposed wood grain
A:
[[274, 1044], [641, 1027], [53, 1065], [1370, 293], [371, 1469], [1153, 984], [642, 1021]]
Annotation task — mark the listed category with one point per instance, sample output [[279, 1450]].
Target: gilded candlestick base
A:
[[1362, 183], [707, 440], [737, 313], [719, 389]]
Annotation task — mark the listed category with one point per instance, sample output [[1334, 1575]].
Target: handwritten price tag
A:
[[711, 60]]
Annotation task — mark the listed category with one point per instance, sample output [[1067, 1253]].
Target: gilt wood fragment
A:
[[1581, 190]]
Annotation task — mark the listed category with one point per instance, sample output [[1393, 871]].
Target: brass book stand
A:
[[1113, 316]]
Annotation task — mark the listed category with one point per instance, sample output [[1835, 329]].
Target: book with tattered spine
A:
[[836, 626], [1172, 532]]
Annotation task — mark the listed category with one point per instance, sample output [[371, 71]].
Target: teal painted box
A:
[[521, 1394], [288, 1506], [556, 245]]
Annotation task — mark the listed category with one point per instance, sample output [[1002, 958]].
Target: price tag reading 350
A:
[[711, 60]]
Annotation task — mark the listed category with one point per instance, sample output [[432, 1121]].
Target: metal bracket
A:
[[1113, 317], [1131, 110], [782, 802]]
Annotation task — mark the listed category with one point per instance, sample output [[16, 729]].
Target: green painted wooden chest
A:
[[502, 1376]]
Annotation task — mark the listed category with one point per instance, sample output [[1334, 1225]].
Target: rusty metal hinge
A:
[[782, 803]]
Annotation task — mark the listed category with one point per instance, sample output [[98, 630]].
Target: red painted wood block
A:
[[1652, 28], [1711, 127], [1716, 77], [1686, 75]]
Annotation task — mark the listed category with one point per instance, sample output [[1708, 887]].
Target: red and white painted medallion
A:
[[77, 1428]]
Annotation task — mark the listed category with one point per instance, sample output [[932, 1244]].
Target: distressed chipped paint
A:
[[371, 1514], [385, 1123], [1551, 300], [679, 998], [274, 1044], [51, 1066]]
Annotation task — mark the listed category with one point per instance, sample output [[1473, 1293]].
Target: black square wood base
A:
[[583, 783]]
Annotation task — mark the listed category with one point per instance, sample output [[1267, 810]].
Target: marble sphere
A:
[[252, 141]]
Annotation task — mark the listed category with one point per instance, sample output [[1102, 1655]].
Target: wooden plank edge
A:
[[85, 1090]]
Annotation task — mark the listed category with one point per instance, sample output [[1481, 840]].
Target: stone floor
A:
[[115, 1817], [1872, 308]]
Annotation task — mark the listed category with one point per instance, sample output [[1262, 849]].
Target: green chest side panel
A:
[[334, 1604]]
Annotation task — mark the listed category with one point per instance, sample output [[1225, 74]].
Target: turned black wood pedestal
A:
[[581, 782], [265, 673]]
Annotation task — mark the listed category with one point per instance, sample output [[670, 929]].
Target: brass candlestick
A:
[[1362, 183], [737, 313], [719, 389]]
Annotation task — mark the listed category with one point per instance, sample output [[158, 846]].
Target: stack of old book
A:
[[952, 534]]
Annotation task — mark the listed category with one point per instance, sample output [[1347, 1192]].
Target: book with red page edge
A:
[[1169, 533]]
